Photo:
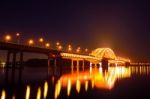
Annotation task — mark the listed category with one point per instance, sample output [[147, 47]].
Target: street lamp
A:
[[78, 49], [59, 47], [18, 37], [8, 38], [57, 44], [30, 42], [69, 48], [86, 50], [47, 45], [41, 40]]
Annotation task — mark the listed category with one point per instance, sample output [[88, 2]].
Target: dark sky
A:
[[122, 26]]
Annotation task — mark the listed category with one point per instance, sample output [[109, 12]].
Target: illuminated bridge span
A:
[[97, 55]]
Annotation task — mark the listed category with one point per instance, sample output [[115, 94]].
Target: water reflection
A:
[[3, 95], [45, 89], [75, 81], [28, 92], [141, 70], [38, 93]]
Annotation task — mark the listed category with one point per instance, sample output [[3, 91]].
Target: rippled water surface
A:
[[92, 82]]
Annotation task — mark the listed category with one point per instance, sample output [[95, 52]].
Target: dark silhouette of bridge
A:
[[101, 56]]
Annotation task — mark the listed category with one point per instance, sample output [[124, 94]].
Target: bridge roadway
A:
[[14, 49], [26, 48]]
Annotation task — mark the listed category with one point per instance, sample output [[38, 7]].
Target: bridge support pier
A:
[[105, 64], [83, 65], [11, 62], [77, 65], [8, 59], [72, 66], [48, 64]]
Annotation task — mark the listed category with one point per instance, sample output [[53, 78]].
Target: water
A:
[[92, 82]]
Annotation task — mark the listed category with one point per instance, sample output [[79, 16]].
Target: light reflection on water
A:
[[91, 78]]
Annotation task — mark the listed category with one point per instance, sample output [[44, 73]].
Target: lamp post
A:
[[18, 38], [78, 50], [69, 48], [41, 40], [59, 47], [86, 50], [47, 45]]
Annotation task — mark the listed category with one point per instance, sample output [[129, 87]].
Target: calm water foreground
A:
[[93, 82]]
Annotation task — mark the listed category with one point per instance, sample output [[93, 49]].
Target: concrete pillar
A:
[[105, 64], [55, 66], [21, 59], [13, 66], [48, 64], [77, 65], [72, 66], [7, 65], [8, 59], [14, 60], [83, 65], [21, 66]]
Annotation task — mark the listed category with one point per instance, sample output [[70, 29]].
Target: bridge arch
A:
[[103, 53]]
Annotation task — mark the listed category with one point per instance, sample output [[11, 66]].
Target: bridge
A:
[[100, 56]]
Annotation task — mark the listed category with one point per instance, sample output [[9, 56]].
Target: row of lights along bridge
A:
[[42, 43]]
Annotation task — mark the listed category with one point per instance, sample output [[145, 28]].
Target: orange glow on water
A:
[[99, 79], [3, 95], [28, 92], [78, 85], [45, 89], [57, 89], [69, 87], [86, 85], [38, 93]]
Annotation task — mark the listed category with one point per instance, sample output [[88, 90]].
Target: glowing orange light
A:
[[78, 86], [57, 89], [69, 87], [59, 47], [30, 42], [45, 89], [78, 49], [69, 48], [86, 50], [47, 45], [38, 93], [41, 40], [28, 92], [57, 43], [8, 38], [3, 96]]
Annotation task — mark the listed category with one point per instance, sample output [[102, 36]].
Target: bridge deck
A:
[[25, 48]]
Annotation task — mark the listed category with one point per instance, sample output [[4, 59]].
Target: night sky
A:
[[122, 26]]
